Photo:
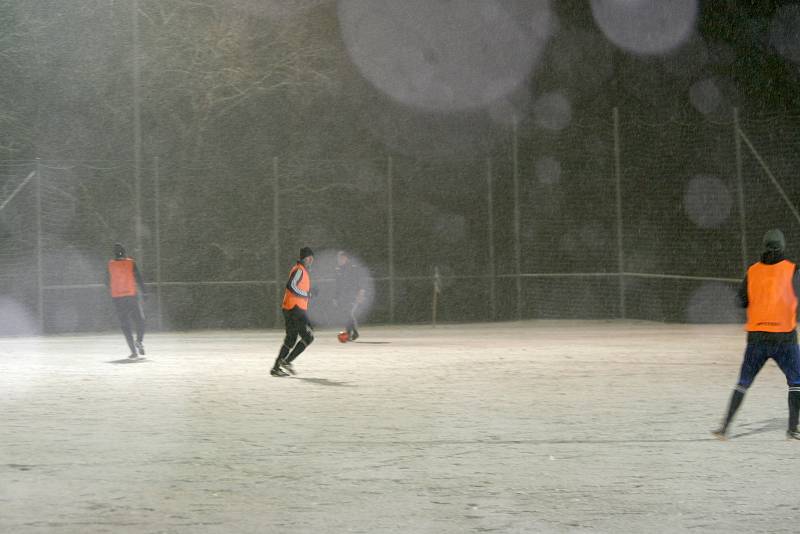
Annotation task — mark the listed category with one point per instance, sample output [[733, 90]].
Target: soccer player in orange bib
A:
[[769, 292], [125, 284], [294, 307]]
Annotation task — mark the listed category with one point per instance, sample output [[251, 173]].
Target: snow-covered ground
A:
[[551, 426]]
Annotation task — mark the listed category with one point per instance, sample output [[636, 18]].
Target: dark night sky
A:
[[764, 76], [765, 79]]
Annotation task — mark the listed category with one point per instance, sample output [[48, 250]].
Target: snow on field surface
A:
[[550, 426]]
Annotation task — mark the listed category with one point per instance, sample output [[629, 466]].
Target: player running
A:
[[769, 292], [125, 284], [294, 308]]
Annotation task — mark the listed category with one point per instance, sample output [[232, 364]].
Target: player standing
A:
[[349, 295], [294, 307], [769, 292], [125, 282]]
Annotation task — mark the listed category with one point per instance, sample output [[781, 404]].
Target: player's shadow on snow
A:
[[324, 382], [128, 360], [768, 425], [373, 342]]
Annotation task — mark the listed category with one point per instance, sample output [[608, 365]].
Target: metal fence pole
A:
[[437, 288], [517, 246], [137, 133], [490, 226], [276, 218], [620, 248], [39, 259], [740, 187], [390, 217], [157, 192]]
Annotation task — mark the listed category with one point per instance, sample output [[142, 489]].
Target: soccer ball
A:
[[344, 337]]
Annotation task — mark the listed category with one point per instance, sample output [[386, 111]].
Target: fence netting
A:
[[18, 249], [605, 218]]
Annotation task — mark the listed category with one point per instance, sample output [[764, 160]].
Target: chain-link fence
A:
[[20, 262], [614, 217]]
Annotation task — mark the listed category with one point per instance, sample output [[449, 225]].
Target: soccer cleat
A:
[[354, 336], [140, 347], [792, 434], [133, 356], [720, 434], [277, 371], [288, 367]]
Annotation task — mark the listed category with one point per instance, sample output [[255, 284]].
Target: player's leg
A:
[[288, 343], [291, 342], [122, 309], [342, 317], [306, 337], [755, 356], [138, 318], [788, 359], [352, 324]]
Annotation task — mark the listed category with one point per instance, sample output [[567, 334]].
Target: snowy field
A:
[[517, 427]]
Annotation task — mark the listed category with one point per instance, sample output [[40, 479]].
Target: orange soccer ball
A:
[[344, 337]]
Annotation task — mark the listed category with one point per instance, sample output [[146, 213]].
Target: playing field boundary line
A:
[[416, 278]]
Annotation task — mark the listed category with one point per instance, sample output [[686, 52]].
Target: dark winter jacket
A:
[[348, 282]]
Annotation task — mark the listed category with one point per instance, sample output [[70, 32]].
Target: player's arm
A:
[[361, 291], [338, 290], [357, 278], [138, 276], [796, 281], [741, 295], [313, 290], [294, 283]]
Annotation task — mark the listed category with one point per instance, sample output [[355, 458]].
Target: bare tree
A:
[[201, 60]]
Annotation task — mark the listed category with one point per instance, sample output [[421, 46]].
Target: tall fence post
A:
[[620, 243], [390, 237], [157, 194], [437, 289], [39, 259], [737, 140], [137, 133], [276, 219], [517, 247], [490, 226]]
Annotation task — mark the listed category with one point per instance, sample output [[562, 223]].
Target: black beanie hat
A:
[[118, 250], [774, 240], [305, 252]]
